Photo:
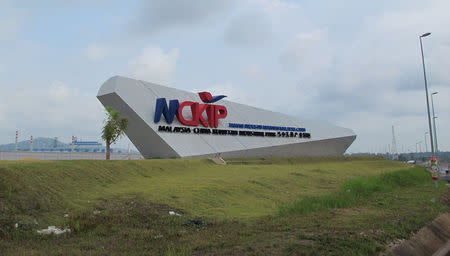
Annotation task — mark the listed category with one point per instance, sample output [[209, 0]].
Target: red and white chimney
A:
[[17, 139]]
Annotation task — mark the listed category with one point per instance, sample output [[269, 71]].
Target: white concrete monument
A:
[[164, 122]]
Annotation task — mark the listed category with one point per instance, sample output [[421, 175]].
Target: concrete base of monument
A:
[[219, 161]]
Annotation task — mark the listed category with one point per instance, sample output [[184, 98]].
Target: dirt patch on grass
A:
[[307, 242], [128, 211], [349, 211]]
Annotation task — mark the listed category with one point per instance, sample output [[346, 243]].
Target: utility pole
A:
[[31, 143], [434, 125]]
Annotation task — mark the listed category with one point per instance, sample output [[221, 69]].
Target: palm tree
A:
[[114, 128]]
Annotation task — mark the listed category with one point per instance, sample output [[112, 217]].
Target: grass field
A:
[[250, 206]]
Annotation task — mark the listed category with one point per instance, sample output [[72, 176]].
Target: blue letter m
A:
[[168, 112]]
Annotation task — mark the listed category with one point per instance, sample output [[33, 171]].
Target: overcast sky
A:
[[351, 63]]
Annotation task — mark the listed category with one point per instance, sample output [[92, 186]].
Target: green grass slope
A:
[[198, 186], [250, 206]]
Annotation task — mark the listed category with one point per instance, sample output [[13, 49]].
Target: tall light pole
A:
[[434, 123], [425, 139], [426, 93], [420, 146]]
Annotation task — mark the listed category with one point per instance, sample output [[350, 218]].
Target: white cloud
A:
[[276, 9], [60, 93], [307, 55], [253, 72], [95, 52], [154, 65], [264, 22], [68, 105], [160, 15], [438, 60], [9, 28], [271, 5], [2, 112], [372, 78], [54, 108], [11, 21], [51, 110], [299, 54], [250, 29]]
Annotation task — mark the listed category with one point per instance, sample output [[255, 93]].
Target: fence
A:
[[18, 155]]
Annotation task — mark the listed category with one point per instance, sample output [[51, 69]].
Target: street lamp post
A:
[[426, 93], [419, 150], [425, 139], [434, 124]]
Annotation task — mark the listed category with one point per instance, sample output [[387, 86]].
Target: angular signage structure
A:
[[164, 122]]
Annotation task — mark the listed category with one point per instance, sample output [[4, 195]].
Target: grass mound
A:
[[340, 206], [46, 190], [356, 191]]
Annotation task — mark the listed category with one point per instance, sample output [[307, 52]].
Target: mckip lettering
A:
[[213, 112]]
